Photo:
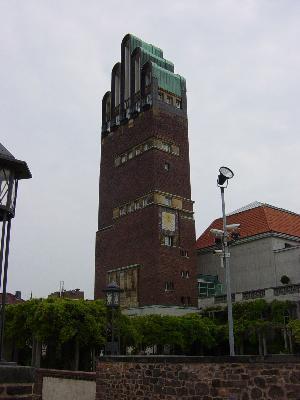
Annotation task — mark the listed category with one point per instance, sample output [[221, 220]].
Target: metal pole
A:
[[2, 245], [227, 271], [4, 288]]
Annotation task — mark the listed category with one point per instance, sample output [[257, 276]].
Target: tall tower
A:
[[146, 233]]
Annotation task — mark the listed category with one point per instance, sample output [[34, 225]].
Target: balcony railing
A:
[[283, 290], [223, 298], [254, 294]]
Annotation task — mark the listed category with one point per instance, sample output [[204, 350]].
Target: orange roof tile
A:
[[255, 219]]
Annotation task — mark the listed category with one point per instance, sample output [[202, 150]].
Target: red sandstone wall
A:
[[188, 379]]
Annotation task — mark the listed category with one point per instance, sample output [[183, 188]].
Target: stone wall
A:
[[16, 382], [64, 385], [198, 378]]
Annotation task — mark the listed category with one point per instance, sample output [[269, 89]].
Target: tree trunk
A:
[[36, 353], [289, 334], [76, 361], [93, 359], [242, 347], [264, 340], [260, 348], [286, 346]]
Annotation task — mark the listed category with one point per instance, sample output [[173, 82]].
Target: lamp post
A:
[[225, 174], [112, 298], [11, 171]]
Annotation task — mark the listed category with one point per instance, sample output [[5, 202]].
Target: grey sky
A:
[[241, 61]]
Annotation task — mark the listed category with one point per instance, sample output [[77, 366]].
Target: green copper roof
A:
[[136, 42], [162, 69], [163, 63], [169, 81]]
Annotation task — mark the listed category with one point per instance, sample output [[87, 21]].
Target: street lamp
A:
[[112, 299], [224, 175], [11, 171]]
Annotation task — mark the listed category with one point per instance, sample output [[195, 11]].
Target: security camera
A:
[[218, 252], [217, 232], [232, 226]]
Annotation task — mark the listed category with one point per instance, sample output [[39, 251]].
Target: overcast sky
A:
[[241, 61]]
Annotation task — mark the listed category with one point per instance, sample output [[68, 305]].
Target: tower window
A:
[[169, 100], [123, 210], [184, 253], [169, 286], [168, 201], [148, 78], [168, 241], [167, 166], [166, 147], [187, 274], [178, 103], [137, 77], [117, 90], [182, 274]]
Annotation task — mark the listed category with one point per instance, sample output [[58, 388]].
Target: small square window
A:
[[178, 103], [167, 166], [123, 210], [169, 100], [168, 241], [169, 286], [166, 147], [168, 201]]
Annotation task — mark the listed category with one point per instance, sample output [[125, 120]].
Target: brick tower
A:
[[146, 234]]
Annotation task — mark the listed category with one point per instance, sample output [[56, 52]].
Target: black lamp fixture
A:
[[112, 295], [112, 299], [225, 173], [11, 171]]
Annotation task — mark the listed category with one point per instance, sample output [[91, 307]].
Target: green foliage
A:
[[294, 325], [66, 325], [56, 321]]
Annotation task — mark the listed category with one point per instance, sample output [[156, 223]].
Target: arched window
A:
[[106, 112], [137, 74], [127, 71], [146, 79], [117, 90], [107, 108]]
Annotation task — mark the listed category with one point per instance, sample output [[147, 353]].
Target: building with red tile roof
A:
[[256, 219], [268, 248]]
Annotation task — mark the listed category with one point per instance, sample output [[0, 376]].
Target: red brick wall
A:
[[135, 238], [195, 378]]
